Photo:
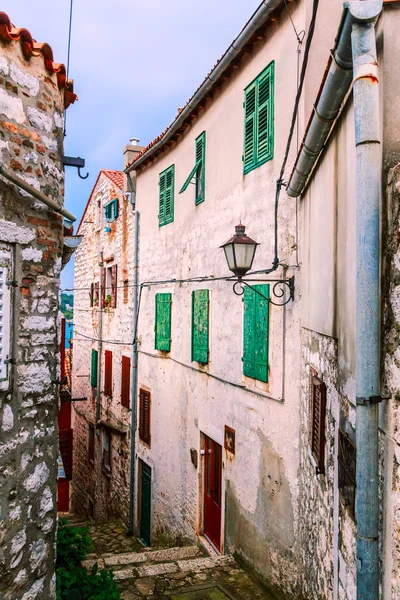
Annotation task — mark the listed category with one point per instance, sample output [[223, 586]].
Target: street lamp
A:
[[239, 253]]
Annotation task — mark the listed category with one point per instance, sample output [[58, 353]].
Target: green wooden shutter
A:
[[265, 117], [249, 156], [115, 208], [161, 210], [163, 322], [93, 372], [256, 333], [200, 311], [166, 196], [201, 167]]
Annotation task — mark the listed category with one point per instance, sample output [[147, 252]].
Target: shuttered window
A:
[[94, 293], [6, 273], [65, 437], [112, 210], [198, 172], [108, 373], [94, 367], [347, 460], [166, 196], [200, 314], [256, 333], [91, 443], [106, 459], [259, 120], [114, 288], [125, 381], [318, 410], [145, 416], [163, 322]]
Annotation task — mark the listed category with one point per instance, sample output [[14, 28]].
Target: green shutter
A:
[[166, 196], [200, 311], [115, 208], [201, 169], [93, 372], [189, 179], [256, 333], [259, 120], [163, 322]]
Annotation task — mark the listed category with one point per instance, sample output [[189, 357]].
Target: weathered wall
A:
[[31, 145], [108, 492]]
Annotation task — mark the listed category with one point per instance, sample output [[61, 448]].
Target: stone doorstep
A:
[[173, 554], [124, 574], [154, 570], [199, 564], [128, 558], [90, 563]]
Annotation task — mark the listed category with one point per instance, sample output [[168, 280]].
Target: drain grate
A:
[[206, 592]]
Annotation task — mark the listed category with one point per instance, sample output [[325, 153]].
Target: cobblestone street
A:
[[178, 573]]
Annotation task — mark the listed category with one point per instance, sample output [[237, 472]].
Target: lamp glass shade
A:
[[239, 252]]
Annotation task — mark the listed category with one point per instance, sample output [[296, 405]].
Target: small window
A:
[[111, 210], [256, 333], [259, 120], [347, 471], [94, 368], [108, 373], [197, 174], [200, 309], [166, 196], [110, 286], [6, 274], [65, 437], [94, 294], [91, 443], [318, 408], [163, 322], [145, 416], [106, 461], [125, 381]]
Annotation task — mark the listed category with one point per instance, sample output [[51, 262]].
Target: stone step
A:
[[200, 564], [159, 569], [133, 558], [173, 554], [127, 558]]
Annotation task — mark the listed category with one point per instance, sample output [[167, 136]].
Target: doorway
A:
[[145, 503], [212, 491]]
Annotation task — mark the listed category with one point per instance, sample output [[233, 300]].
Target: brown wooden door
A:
[[212, 492]]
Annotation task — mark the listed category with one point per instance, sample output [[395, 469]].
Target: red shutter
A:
[[145, 416], [104, 291], [125, 381], [108, 373], [114, 286], [318, 391], [66, 439]]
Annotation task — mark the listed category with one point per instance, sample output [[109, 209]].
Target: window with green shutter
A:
[[112, 210], [200, 311], [166, 196], [256, 333], [259, 120], [197, 175], [163, 322], [93, 371]]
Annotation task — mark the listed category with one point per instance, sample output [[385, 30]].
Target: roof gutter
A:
[[37, 194], [335, 87], [256, 21]]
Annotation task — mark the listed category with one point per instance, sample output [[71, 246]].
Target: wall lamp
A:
[[239, 253]]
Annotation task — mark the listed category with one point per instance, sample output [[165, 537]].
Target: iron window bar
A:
[[279, 289]]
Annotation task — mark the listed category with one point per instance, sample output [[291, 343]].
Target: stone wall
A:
[[31, 146], [94, 491]]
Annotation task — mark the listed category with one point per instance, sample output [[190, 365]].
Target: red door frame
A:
[[212, 491], [64, 426]]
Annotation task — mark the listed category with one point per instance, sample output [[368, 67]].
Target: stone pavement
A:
[[174, 573]]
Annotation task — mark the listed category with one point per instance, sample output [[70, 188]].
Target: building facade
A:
[[33, 96]]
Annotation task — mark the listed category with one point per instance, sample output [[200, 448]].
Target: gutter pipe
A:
[[100, 343], [256, 21], [36, 194], [354, 59], [134, 376]]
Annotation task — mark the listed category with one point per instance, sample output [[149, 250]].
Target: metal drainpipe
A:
[[369, 182], [100, 343], [134, 375]]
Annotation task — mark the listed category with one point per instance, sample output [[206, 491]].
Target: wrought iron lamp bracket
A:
[[279, 289]]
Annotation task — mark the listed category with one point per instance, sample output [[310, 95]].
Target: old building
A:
[[102, 369], [33, 96]]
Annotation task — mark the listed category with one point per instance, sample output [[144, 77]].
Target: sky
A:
[[133, 62]]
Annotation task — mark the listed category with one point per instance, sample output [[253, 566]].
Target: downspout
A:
[[100, 343], [134, 375]]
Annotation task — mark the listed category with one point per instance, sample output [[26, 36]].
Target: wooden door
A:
[[213, 492], [145, 504]]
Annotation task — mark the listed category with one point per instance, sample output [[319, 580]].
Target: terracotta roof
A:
[[30, 48], [116, 177]]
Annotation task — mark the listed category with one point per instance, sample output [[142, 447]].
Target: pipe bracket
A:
[[371, 400]]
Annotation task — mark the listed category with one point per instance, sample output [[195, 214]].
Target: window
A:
[[125, 381], [259, 120], [110, 286], [94, 294], [317, 428], [166, 196], [65, 437], [94, 368], [6, 274], [108, 373], [347, 471], [256, 333], [91, 443], [163, 322], [199, 169], [200, 309], [106, 461], [145, 416], [111, 210]]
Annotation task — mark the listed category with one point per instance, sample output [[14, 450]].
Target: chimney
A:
[[130, 151]]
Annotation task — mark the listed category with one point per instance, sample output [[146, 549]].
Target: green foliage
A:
[[73, 545], [67, 312], [92, 585]]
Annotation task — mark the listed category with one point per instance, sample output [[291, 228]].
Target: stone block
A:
[[130, 558], [173, 554], [154, 570]]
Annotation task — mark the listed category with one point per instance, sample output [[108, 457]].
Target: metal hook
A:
[[78, 162], [81, 176]]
